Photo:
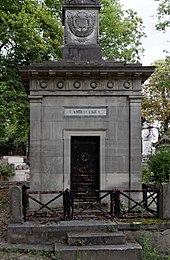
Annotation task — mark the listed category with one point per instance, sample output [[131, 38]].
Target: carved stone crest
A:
[[81, 24]]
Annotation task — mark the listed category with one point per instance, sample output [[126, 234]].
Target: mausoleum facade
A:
[[85, 113]]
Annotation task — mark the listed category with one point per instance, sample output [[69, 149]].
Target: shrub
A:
[[147, 175], [158, 167], [6, 170]]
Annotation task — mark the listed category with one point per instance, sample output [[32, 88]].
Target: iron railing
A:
[[107, 203]]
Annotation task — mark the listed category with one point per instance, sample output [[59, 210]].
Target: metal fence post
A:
[[24, 201], [72, 204], [145, 201], [111, 203], [158, 203], [116, 196], [67, 202]]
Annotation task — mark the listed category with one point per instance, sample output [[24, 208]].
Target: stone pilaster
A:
[[134, 142], [35, 140]]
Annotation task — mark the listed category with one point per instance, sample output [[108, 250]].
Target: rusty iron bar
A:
[[158, 204], [139, 203], [136, 203], [49, 202], [42, 204], [24, 201], [144, 190], [67, 204], [114, 201], [89, 203], [44, 192]]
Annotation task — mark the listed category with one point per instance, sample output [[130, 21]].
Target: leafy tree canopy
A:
[[163, 15], [31, 31], [156, 95], [120, 32]]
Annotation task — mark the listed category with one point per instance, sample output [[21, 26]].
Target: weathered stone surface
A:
[[81, 82], [31, 233], [82, 53], [84, 239], [81, 2], [165, 201], [106, 252], [85, 86], [16, 214], [81, 27], [159, 240]]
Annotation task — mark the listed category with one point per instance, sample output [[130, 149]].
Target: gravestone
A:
[[15, 206], [164, 201], [85, 112]]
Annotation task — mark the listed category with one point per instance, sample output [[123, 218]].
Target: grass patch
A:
[[144, 220], [149, 252]]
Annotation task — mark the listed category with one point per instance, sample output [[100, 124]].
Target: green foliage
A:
[[6, 170], [147, 175], [163, 15], [159, 167], [120, 32], [31, 31], [14, 111], [156, 95], [149, 252], [14, 253]]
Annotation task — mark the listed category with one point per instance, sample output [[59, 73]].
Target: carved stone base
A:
[[82, 53]]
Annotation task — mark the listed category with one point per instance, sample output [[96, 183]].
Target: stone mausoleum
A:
[[85, 112]]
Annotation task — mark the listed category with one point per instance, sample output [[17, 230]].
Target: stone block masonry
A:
[[85, 113]]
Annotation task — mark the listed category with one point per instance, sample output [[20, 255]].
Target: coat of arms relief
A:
[[81, 23]]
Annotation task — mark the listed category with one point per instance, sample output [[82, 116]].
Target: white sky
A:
[[156, 41]]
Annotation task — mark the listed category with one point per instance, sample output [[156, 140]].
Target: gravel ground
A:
[[4, 212]]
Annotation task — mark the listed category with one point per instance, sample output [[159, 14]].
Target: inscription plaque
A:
[[85, 112]]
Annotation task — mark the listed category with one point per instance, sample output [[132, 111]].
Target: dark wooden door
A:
[[85, 164]]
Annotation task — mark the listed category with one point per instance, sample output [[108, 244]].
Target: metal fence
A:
[[104, 203]]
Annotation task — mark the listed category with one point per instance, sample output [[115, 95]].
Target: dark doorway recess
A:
[[85, 151]]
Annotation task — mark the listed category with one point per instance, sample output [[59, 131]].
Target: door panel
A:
[[85, 163]]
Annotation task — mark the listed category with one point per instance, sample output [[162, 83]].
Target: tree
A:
[[120, 32], [156, 95], [31, 31], [163, 15], [14, 113]]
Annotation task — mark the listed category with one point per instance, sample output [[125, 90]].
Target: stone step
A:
[[129, 251], [29, 233], [109, 238]]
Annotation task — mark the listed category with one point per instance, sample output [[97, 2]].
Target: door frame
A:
[[67, 155]]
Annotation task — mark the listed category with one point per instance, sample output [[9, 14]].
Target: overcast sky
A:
[[156, 41]]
